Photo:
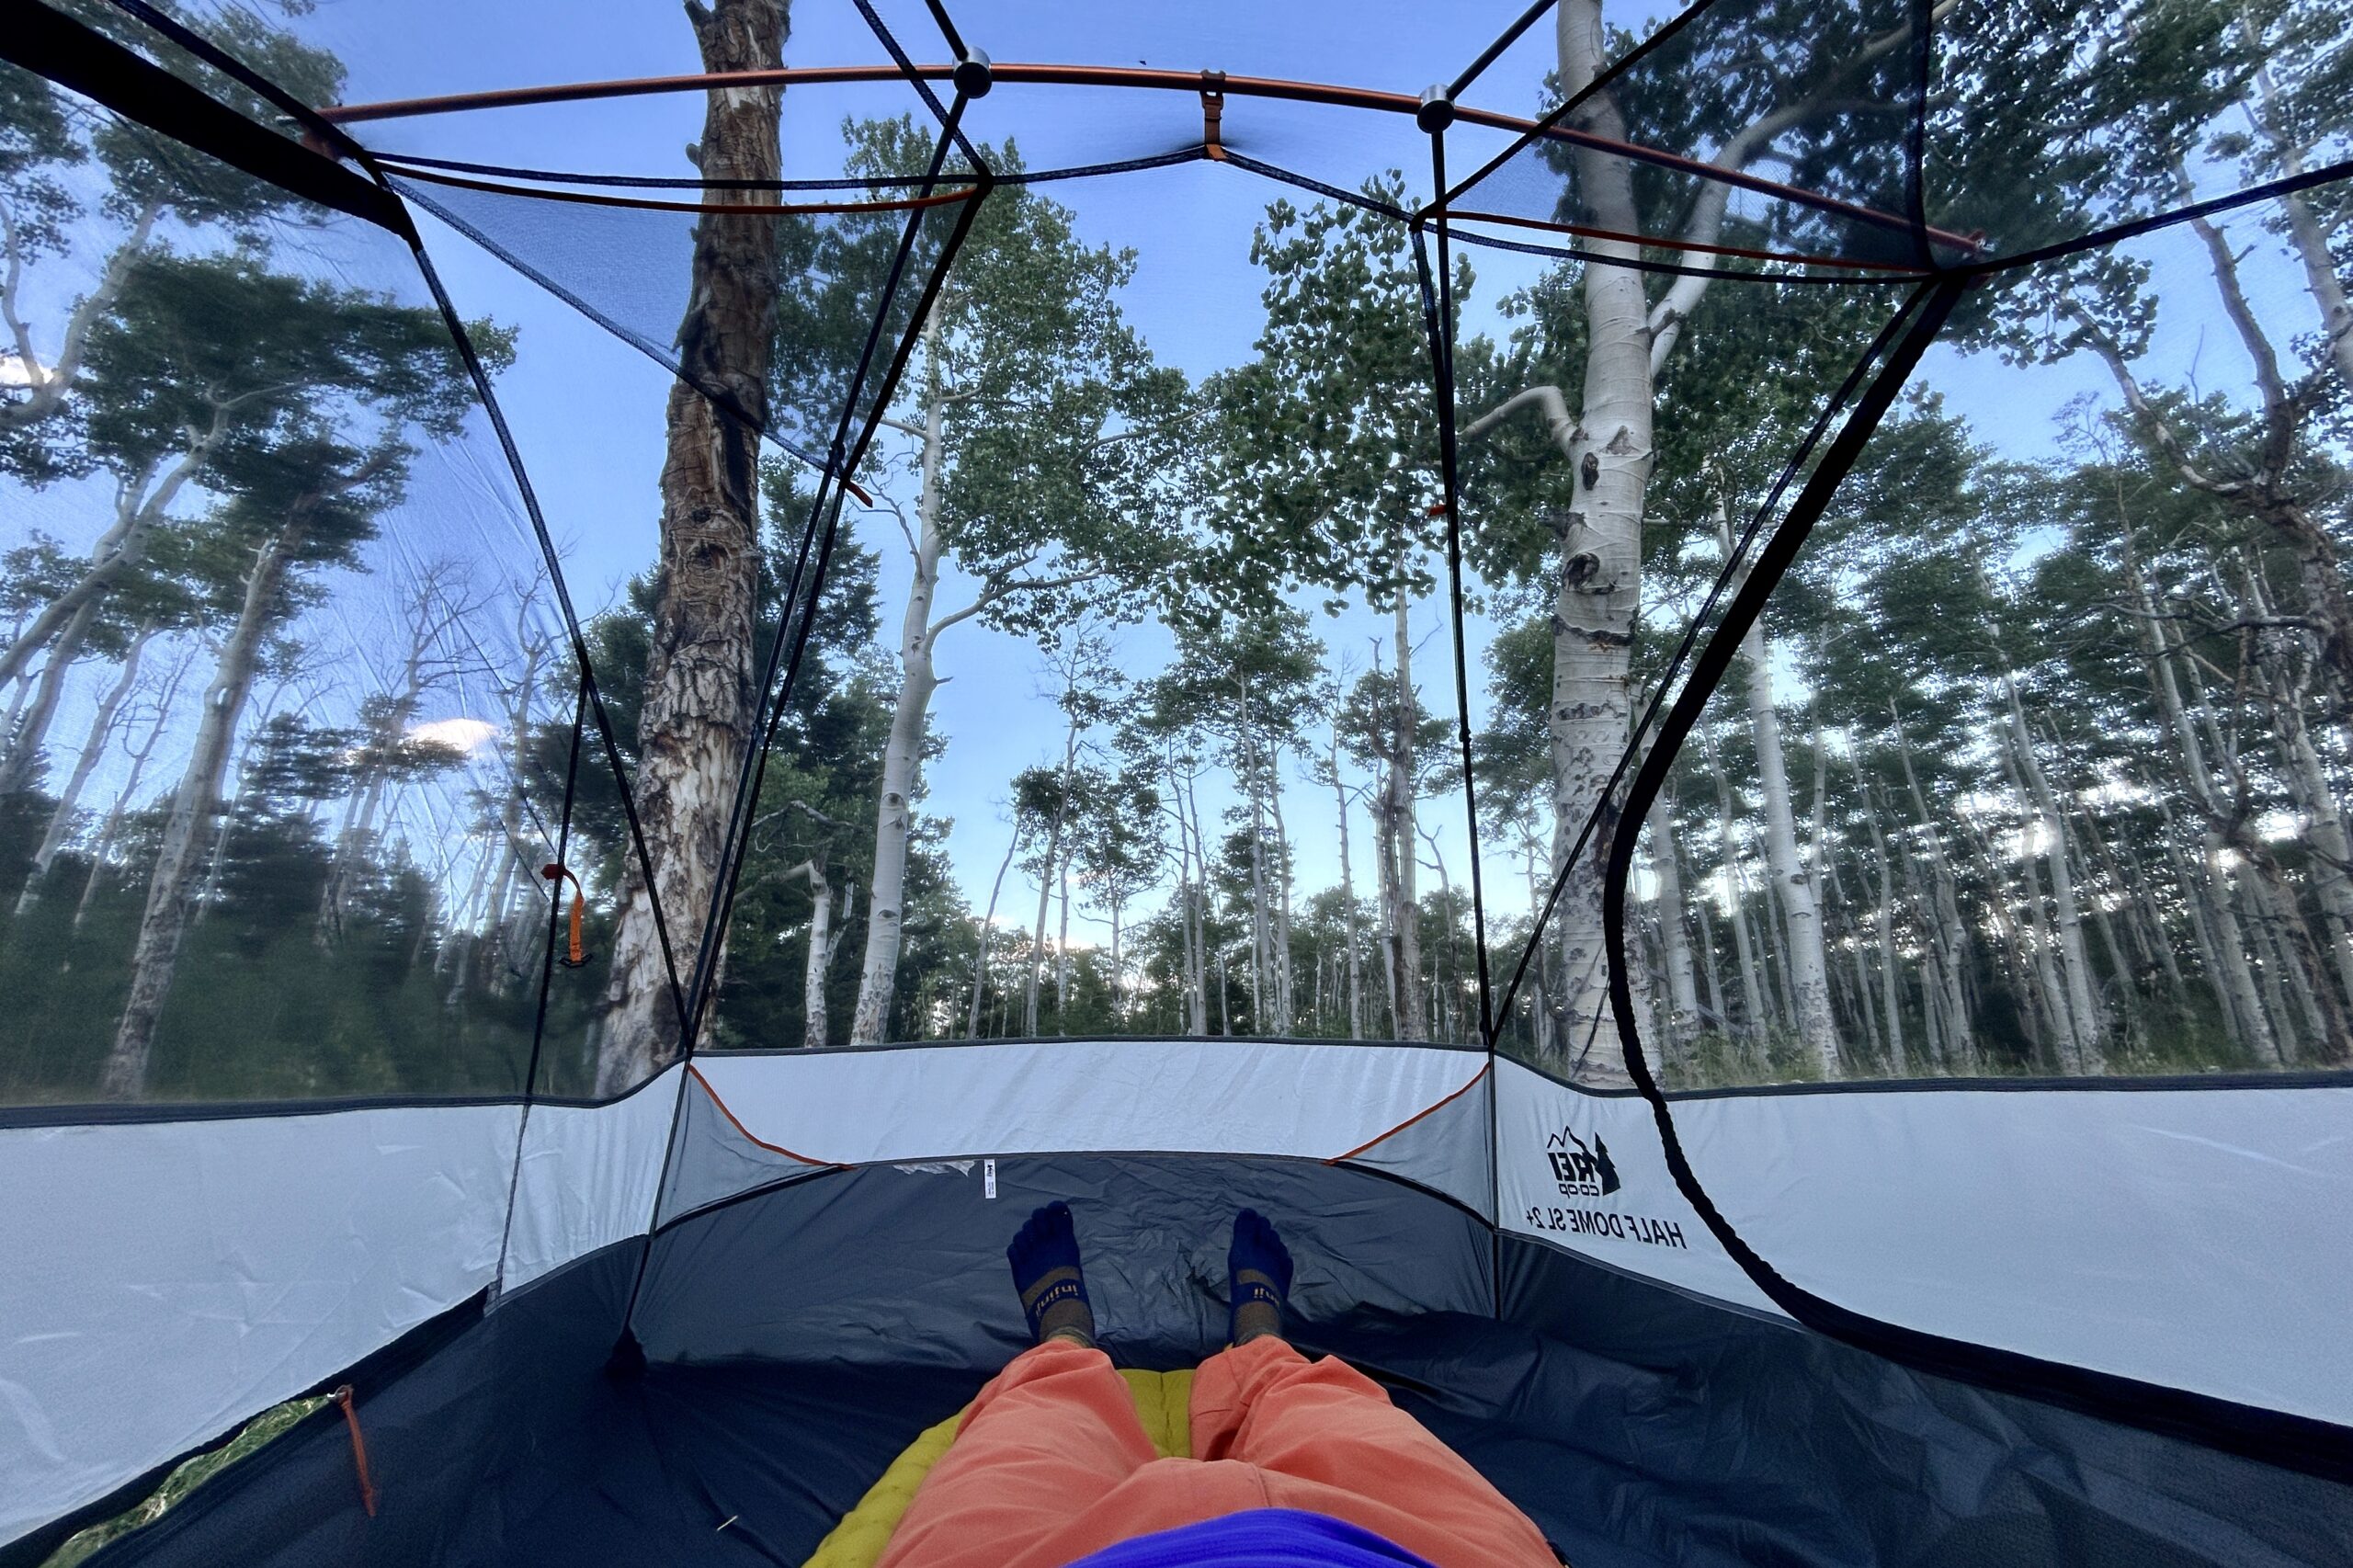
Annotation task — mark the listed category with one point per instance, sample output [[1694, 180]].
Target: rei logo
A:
[[1581, 1171]]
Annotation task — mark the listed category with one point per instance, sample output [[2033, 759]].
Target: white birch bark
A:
[[1046, 874], [2084, 1023], [1347, 892], [988, 925], [815, 1030], [1682, 991], [1806, 958], [1745, 956], [164, 923], [903, 751], [1891, 975], [1398, 833], [102, 723], [1951, 932]]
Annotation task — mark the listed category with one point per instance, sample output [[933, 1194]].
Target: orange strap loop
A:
[[1213, 115], [555, 871], [359, 1449]]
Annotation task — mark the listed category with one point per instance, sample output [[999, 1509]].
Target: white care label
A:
[[988, 1178]]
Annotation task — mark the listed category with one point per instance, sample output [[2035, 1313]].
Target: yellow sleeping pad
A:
[[1164, 1403]]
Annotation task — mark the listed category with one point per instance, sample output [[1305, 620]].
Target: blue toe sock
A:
[[1047, 1242], [1255, 1247]]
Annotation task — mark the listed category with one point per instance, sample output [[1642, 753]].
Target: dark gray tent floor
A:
[[1638, 1427]]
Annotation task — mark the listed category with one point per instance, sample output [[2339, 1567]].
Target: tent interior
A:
[[1679, 682]]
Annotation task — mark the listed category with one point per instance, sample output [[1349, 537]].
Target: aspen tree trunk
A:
[[701, 705], [2144, 933], [61, 820], [1709, 973], [510, 815], [2312, 250], [815, 1030], [2300, 957], [1821, 866], [2305, 232], [16, 706], [1891, 975], [119, 550], [108, 830], [21, 766], [2011, 948], [2250, 878], [358, 828], [1804, 953], [2121, 966], [1865, 997], [1595, 601], [2072, 1050], [1119, 973], [1061, 955], [2233, 975], [1960, 1042], [1200, 909], [1286, 1000], [2233, 990], [1046, 879], [2148, 922], [988, 924], [1683, 996], [1385, 857], [2316, 801], [1736, 885], [195, 804], [1934, 1023], [1447, 972], [1773, 927], [1252, 778], [2082, 1015], [1348, 897], [1412, 1023], [467, 933], [903, 751], [2279, 973], [1262, 983], [1316, 1002]]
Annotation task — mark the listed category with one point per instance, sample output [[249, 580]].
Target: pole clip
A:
[[1213, 116]]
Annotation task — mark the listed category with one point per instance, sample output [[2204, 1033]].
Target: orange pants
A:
[[1051, 1463]]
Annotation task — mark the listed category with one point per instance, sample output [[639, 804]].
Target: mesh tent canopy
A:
[[1686, 699]]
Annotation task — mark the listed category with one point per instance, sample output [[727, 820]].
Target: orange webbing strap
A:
[[555, 871], [359, 1449], [1213, 115]]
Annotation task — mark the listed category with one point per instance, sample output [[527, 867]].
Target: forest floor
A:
[[184, 1479]]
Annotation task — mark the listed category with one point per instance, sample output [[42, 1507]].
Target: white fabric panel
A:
[[1444, 1150], [715, 1162], [588, 1177], [160, 1282], [2197, 1238], [1201, 1096], [1588, 1173]]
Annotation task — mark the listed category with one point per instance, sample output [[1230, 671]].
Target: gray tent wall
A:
[[826, 1278]]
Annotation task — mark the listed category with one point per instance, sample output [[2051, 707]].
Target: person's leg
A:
[[1049, 1436], [1327, 1438], [1046, 1439]]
